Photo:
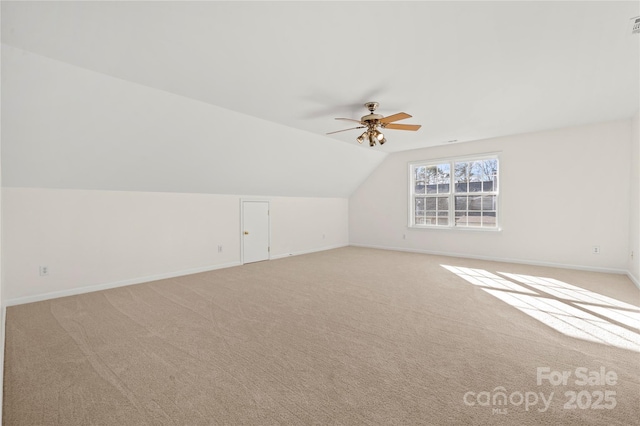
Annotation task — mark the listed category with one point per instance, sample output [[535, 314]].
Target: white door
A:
[[255, 232]]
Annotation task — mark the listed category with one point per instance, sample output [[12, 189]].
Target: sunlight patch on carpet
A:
[[571, 310]]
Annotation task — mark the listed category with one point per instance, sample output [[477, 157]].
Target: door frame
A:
[[254, 200]]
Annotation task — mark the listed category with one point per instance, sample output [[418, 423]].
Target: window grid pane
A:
[[432, 210], [468, 195]]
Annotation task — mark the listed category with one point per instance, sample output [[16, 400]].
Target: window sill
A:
[[455, 228]]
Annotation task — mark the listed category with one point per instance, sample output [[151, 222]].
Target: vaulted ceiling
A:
[[464, 70]]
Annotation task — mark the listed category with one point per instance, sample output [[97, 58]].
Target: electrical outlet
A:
[[44, 270], [595, 250]]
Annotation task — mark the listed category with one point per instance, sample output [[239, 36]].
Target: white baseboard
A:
[[500, 259], [634, 279], [114, 284], [139, 280], [298, 253]]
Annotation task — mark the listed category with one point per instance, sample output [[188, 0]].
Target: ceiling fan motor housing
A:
[[371, 118]]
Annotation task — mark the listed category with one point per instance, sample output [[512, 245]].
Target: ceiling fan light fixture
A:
[[362, 137], [372, 139], [383, 140]]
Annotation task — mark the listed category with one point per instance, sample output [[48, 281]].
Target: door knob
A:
[[246, 232]]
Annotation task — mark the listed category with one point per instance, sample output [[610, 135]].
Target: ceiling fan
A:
[[372, 122]]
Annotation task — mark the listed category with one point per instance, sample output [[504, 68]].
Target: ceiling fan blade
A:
[[412, 127], [395, 117], [338, 131], [349, 119]]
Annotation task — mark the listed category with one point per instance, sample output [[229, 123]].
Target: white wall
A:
[[3, 310], [562, 192], [100, 239], [302, 225], [634, 202], [109, 182]]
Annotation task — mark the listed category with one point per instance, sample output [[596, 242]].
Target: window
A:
[[454, 193]]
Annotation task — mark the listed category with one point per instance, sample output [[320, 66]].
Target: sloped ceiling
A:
[[274, 75], [68, 127]]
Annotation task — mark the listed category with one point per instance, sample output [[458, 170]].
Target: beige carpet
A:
[[349, 336]]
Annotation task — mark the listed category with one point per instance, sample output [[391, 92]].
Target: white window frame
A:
[[451, 194]]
